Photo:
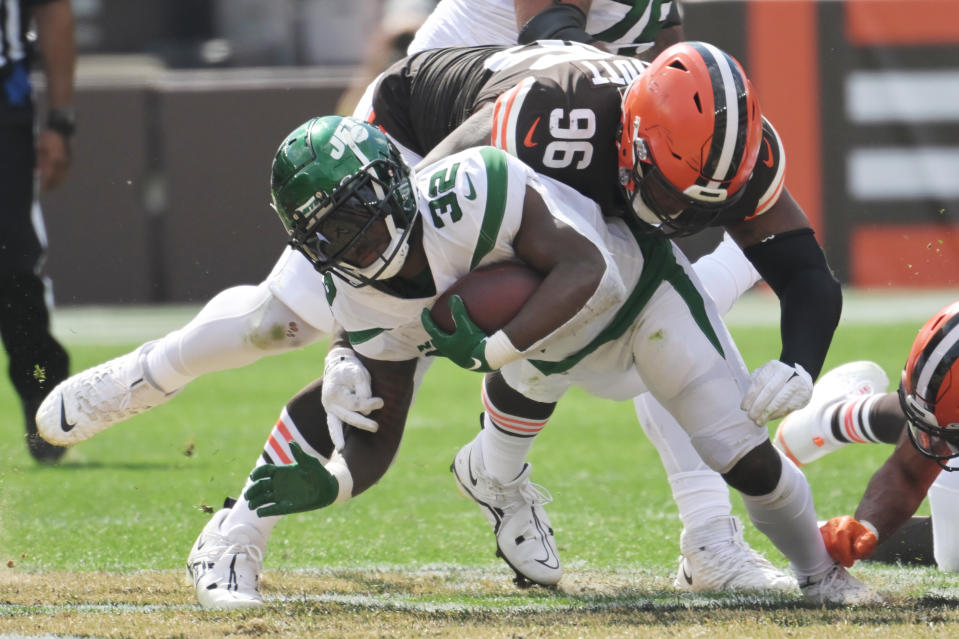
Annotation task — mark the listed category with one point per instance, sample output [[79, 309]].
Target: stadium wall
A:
[[168, 199]]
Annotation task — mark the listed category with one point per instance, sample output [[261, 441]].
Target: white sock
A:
[[700, 496], [235, 328], [726, 273], [787, 516], [504, 454], [944, 506], [700, 493], [506, 440], [275, 451]]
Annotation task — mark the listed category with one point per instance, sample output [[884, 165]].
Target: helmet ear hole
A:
[[698, 103]]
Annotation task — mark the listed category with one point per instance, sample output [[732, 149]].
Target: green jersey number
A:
[[444, 203]]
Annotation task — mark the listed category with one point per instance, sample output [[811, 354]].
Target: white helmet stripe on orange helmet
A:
[[726, 97], [937, 362]]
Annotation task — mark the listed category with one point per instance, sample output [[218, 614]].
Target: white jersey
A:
[[630, 27], [471, 204]]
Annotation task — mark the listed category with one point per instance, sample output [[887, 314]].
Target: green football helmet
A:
[[334, 179]]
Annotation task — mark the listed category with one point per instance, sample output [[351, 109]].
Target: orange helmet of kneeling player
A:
[[691, 131], [929, 391]]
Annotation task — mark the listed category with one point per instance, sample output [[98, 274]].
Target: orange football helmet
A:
[[929, 391], [691, 132]]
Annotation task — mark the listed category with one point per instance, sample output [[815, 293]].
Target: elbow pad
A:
[[810, 299], [558, 22]]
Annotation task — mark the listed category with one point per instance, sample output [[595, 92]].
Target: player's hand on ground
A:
[[347, 395], [466, 345], [775, 390], [848, 540], [294, 488]]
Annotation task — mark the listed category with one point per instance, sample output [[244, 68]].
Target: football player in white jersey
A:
[[618, 312], [288, 310], [850, 405]]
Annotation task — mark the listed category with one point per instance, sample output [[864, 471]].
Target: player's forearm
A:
[[368, 455], [571, 296], [897, 489], [810, 298], [58, 50]]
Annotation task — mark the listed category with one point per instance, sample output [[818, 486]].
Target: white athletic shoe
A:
[[225, 566], [836, 586], [86, 403], [806, 435], [524, 536], [716, 557]]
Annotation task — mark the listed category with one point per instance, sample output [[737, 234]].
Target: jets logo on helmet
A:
[[344, 195], [691, 132], [929, 391]]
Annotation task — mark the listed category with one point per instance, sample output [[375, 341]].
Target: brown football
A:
[[493, 295]]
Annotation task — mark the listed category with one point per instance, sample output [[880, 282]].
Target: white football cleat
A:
[[225, 566], [837, 587], [524, 536], [717, 557], [806, 435], [93, 400]]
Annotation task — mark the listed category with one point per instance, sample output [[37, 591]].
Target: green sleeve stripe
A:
[[659, 265], [358, 337], [496, 189], [620, 29], [329, 288]]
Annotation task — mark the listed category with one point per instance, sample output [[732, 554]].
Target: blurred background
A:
[[181, 105]]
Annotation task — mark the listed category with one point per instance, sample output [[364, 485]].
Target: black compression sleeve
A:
[[560, 21], [810, 299]]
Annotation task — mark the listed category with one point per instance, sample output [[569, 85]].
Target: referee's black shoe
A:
[[41, 450]]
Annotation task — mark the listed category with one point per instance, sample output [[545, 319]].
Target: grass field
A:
[[95, 546]]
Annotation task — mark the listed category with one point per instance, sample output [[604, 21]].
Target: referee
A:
[[32, 159]]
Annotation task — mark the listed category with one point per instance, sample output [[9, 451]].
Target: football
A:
[[493, 295]]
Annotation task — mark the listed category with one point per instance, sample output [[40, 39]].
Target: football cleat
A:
[[524, 536], [837, 587], [225, 566], [95, 399], [806, 435], [716, 557]]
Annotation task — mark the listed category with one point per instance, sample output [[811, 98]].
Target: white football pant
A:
[[944, 506]]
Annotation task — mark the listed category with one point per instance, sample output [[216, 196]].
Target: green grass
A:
[[132, 498], [75, 537]]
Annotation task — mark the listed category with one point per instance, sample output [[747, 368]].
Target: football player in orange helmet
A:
[[927, 405]]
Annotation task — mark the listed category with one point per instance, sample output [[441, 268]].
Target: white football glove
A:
[[776, 389], [347, 395]]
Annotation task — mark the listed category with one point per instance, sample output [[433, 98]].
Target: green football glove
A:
[[295, 488], [466, 345]]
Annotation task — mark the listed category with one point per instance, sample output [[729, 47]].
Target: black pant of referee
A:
[[37, 362]]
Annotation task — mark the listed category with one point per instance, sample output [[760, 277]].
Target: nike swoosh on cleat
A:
[[472, 192], [65, 426], [476, 364], [551, 560], [688, 577], [528, 140], [469, 469]]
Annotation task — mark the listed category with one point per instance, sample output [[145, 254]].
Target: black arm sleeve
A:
[[810, 299], [557, 22]]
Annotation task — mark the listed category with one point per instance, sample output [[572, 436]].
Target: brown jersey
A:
[[557, 108]]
